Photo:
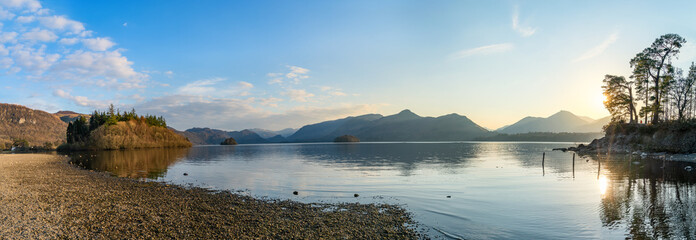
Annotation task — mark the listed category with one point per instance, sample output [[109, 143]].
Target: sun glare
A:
[[603, 184]]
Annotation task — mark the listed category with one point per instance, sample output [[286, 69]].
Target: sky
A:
[[275, 64]]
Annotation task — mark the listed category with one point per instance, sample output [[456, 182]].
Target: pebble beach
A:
[[42, 196]]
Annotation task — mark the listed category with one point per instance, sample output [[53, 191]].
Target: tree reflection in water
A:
[[652, 198], [140, 163]]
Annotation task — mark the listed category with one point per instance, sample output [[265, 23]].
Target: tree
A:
[[653, 65], [619, 94], [682, 91]]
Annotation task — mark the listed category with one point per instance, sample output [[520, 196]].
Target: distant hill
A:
[[35, 126], [404, 126], [69, 116], [270, 134], [207, 136], [562, 121], [545, 137]]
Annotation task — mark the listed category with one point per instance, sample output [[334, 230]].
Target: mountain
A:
[[404, 126], [562, 121], [271, 134], [594, 125], [327, 131], [35, 126], [207, 136]]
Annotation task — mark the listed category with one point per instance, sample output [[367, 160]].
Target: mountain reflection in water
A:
[[498, 190]]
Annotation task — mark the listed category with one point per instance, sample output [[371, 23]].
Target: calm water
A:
[[498, 190]]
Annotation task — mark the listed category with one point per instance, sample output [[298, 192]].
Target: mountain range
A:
[[562, 121], [39, 127]]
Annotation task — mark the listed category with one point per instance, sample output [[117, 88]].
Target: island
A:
[[115, 130], [346, 138], [229, 141]]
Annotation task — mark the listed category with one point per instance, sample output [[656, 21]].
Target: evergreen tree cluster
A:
[[79, 130]]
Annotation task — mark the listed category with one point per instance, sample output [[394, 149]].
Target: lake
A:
[[468, 190]]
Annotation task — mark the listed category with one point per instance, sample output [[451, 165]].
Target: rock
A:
[[562, 149], [449, 196], [185, 174], [295, 193], [356, 195]]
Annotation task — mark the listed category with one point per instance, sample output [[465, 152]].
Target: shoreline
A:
[[43, 196]]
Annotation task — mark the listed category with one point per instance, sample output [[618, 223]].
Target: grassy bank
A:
[[43, 197]]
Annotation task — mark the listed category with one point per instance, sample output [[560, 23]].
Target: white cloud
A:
[[111, 68], [298, 95], [484, 50], [25, 19], [183, 112], [169, 74], [40, 35], [295, 75], [68, 41], [79, 100], [31, 59], [275, 81], [4, 51], [98, 44], [524, 31], [333, 91], [200, 87], [6, 15], [245, 85], [31, 5], [271, 102], [62, 23], [8, 37], [125, 24], [599, 49]]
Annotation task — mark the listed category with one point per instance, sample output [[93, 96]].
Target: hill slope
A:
[[35, 126]]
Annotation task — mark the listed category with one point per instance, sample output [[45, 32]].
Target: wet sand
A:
[[44, 197]]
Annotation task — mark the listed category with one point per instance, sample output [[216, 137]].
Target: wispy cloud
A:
[[295, 75], [298, 95], [525, 31], [599, 49], [79, 100], [483, 50]]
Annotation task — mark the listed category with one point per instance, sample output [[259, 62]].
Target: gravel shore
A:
[[44, 197]]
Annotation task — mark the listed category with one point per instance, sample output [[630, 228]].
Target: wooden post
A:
[[573, 165], [599, 166], [543, 157]]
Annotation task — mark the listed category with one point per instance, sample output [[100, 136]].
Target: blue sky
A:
[[276, 64]]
